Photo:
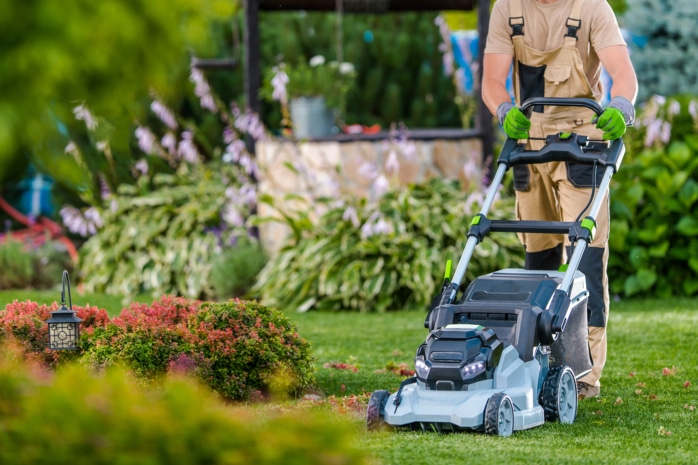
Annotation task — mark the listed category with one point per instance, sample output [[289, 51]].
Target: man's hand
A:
[[618, 115], [514, 122]]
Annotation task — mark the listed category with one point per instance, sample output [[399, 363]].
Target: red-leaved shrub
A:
[[147, 338], [240, 349], [26, 323]]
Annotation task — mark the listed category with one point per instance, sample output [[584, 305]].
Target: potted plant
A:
[[315, 93]]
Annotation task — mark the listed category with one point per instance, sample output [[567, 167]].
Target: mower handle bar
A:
[[527, 106]]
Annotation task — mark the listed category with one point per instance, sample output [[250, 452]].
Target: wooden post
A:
[[485, 126]]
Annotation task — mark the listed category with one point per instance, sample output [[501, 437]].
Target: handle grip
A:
[[527, 107]]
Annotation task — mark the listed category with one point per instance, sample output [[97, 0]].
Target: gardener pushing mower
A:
[[557, 48]]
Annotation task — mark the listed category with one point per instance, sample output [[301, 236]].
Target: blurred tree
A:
[[665, 42], [108, 54]]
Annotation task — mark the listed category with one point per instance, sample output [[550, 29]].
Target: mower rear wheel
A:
[[559, 395], [376, 410], [499, 415]]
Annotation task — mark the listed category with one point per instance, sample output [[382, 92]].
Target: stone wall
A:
[[314, 169]]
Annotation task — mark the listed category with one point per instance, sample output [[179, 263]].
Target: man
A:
[[557, 48]]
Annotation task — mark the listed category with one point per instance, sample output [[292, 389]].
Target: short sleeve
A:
[[499, 34], [604, 28]]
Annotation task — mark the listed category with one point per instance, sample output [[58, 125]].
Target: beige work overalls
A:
[[558, 191]]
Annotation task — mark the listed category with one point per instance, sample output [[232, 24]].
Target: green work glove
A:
[[618, 115], [514, 122]]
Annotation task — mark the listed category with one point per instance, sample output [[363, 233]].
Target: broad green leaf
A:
[[688, 226]]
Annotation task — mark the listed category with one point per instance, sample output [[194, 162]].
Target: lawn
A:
[[648, 411]]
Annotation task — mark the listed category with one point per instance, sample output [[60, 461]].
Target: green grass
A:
[[645, 415]]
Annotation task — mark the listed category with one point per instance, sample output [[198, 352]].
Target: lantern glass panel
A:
[[63, 336]]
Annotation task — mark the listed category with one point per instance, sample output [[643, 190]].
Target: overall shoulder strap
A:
[[516, 20], [574, 22]]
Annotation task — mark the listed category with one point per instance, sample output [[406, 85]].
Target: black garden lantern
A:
[[64, 326]]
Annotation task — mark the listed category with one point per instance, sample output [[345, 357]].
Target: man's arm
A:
[[495, 72], [616, 60]]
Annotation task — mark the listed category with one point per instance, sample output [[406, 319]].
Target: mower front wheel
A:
[[376, 410], [499, 415]]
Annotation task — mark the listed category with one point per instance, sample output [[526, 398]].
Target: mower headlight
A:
[[473, 369], [421, 367]]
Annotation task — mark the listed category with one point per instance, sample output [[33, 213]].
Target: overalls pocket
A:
[[583, 175], [531, 83], [556, 78]]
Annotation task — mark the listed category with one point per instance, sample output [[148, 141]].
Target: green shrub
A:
[[240, 349], [79, 418], [16, 264], [235, 270], [654, 236], [28, 267], [388, 255]]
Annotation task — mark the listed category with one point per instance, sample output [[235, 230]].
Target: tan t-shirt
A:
[[545, 26]]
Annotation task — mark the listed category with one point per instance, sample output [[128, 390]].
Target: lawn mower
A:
[[506, 355]]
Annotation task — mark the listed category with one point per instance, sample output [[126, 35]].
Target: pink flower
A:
[[203, 90], [279, 82]]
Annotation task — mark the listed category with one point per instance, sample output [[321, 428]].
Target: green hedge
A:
[[654, 204], [76, 417]]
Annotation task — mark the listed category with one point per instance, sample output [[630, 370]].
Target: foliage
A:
[[398, 64], [154, 237], [316, 78], [240, 349], [665, 42], [654, 238], [247, 349], [108, 419], [25, 322], [235, 270], [146, 338], [27, 267], [51, 60], [388, 255]]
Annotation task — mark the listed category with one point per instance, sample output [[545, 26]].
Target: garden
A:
[[199, 345]]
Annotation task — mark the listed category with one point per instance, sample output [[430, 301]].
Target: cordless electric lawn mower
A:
[[507, 354]]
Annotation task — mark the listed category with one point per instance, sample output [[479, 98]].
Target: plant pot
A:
[[311, 118]]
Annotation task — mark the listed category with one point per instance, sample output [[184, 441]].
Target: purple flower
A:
[[141, 166], [186, 149], [164, 114], [169, 141], [279, 82], [82, 223], [146, 140], [203, 90]]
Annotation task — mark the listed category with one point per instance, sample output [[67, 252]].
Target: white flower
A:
[[381, 185], [83, 114], [392, 165], [346, 68], [317, 60]]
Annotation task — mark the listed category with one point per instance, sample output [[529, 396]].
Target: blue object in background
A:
[[33, 194], [465, 45]]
